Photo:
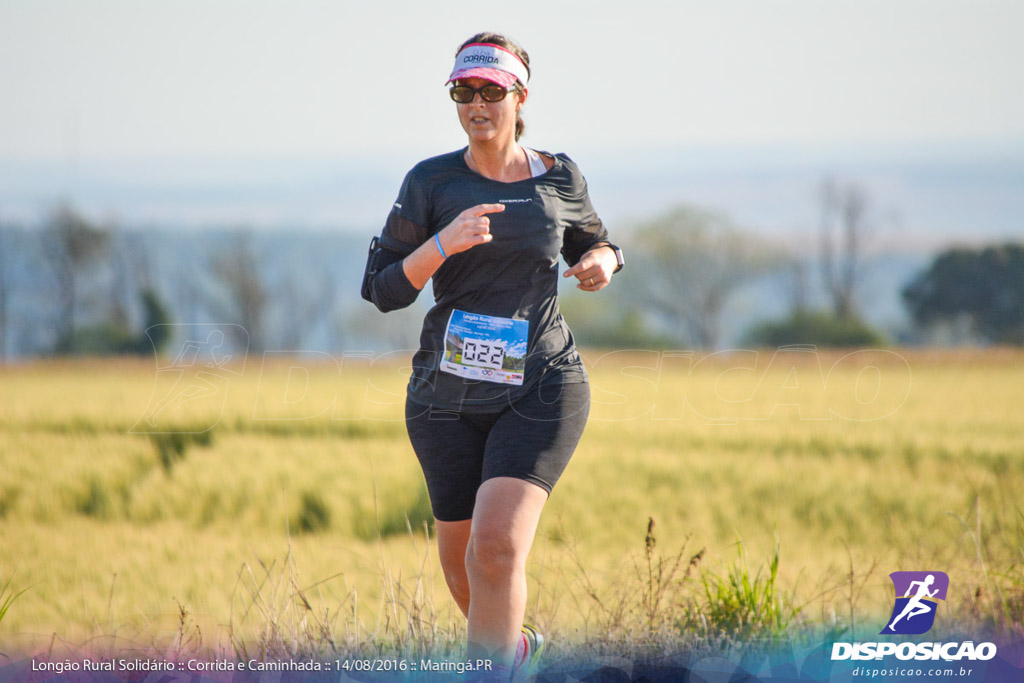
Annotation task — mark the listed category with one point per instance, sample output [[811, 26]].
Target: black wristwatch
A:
[[618, 257]]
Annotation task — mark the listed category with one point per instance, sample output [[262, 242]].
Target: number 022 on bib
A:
[[485, 347]]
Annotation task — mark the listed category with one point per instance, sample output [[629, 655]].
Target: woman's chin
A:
[[481, 136]]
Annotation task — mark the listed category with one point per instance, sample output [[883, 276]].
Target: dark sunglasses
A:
[[463, 94]]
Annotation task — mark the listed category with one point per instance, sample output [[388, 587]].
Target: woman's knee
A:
[[494, 556]]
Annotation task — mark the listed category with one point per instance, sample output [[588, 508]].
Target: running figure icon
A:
[[917, 594], [916, 604]]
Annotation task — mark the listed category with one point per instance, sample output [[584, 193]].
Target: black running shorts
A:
[[531, 439]]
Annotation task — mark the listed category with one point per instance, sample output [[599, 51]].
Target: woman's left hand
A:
[[594, 271]]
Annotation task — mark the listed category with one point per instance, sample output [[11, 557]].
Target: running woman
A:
[[498, 396]]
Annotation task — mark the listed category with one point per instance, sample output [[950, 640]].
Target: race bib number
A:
[[485, 347]]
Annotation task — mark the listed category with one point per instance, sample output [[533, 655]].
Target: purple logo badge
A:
[[917, 596]]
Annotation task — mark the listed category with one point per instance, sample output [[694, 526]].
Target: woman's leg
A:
[[452, 539], [450, 449], [528, 447], [504, 523]]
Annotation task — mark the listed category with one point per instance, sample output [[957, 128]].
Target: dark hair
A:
[[515, 48]]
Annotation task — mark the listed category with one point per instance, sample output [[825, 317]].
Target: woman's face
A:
[[489, 121]]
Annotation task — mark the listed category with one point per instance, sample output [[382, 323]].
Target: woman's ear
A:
[[522, 98]]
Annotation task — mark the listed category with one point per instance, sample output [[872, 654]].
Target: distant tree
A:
[[156, 318], [814, 327], [192, 300], [237, 270], [843, 234], [104, 339], [984, 286], [303, 298], [799, 295], [112, 337], [689, 263], [620, 324], [130, 275], [73, 245]]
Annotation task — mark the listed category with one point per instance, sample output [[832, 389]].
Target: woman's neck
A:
[[505, 163]]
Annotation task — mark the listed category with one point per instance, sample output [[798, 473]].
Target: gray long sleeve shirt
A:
[[514, 276]]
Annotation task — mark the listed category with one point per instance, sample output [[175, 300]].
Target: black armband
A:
[[384, 282], [372, 267]]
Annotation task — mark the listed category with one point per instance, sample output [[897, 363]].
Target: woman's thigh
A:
[[450, 449], [534, 438]]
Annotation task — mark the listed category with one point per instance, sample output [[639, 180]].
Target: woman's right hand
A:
[[470, 228]]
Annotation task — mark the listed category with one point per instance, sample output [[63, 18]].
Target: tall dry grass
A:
[[304, 531]]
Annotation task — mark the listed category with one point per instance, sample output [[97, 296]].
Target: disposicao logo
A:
[[917, 596]]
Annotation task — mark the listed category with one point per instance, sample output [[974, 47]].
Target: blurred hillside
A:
[[934, 195], [279, 247], [309, 291]]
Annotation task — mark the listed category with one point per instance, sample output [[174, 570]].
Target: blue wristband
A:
[[438, 240]]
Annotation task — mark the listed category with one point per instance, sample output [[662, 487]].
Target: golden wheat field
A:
[[276, 503]]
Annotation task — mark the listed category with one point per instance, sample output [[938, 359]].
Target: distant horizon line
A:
[[950, 192], [868, 150]]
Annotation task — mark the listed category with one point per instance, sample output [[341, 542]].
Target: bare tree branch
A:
[[844, 216], [237, 269], [72, 244], [692, 261]]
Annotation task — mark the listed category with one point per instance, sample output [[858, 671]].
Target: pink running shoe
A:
[[528, 652]]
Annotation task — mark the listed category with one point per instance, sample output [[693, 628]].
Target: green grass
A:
[[306, 511], [747, 606], [8, 595]]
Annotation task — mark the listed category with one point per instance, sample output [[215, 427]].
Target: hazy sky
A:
[[120, 79]]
